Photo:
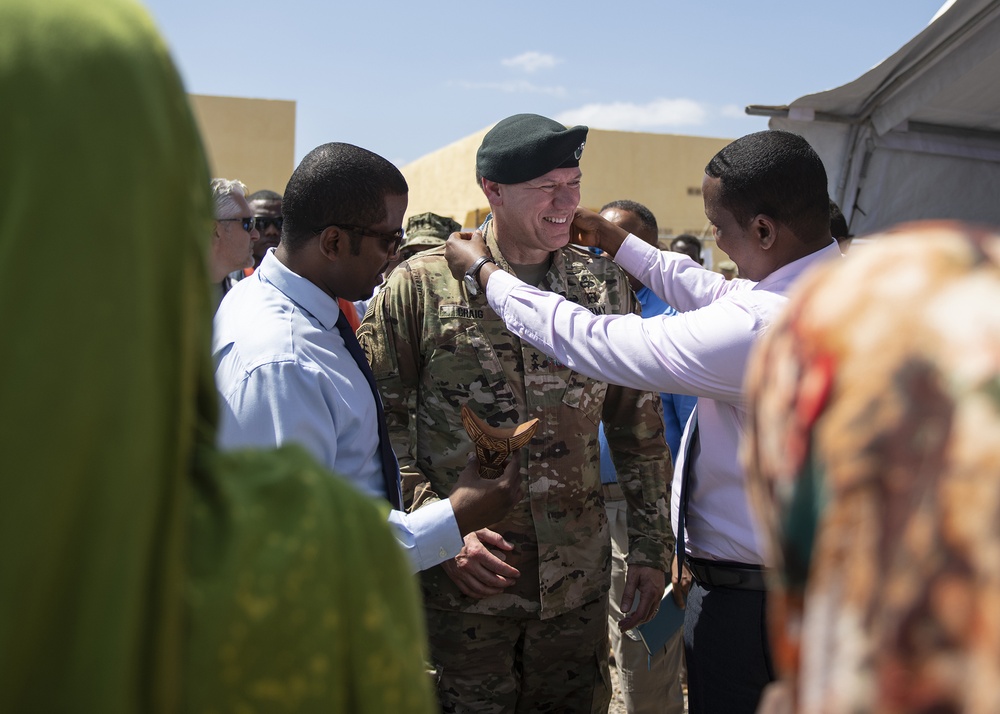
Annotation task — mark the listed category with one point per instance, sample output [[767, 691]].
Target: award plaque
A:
[[494, 444]]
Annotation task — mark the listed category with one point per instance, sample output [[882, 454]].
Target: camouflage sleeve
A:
[[390, 336], [633, 425]]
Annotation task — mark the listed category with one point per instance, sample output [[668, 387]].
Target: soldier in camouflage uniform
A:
[[425, 231], [517, 622]]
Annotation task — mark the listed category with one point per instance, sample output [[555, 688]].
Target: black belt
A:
[[724, 574]]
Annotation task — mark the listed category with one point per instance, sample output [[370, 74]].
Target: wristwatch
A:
[[472, 274]]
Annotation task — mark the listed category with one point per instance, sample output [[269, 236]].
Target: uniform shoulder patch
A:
[[373, 334]]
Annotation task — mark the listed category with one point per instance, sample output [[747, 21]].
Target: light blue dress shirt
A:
[[285, 376]]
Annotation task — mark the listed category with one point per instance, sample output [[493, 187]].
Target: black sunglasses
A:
[[248, 223], [264, 221], [393, 239]]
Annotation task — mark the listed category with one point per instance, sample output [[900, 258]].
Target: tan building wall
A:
[[445, 182], [252, 140], [661, 171]]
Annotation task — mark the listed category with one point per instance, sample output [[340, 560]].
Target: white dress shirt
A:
[[285, 376], [702, 352]]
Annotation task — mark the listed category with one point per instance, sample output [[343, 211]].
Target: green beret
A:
[[428, 230], [526, 146]]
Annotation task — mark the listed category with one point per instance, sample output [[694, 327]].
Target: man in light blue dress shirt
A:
[[284, 368]]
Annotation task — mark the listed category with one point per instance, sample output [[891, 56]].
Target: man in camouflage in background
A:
[[425, 231], [517, 621]]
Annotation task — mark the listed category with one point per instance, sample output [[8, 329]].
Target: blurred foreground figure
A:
[[874, 457], [142, 571]]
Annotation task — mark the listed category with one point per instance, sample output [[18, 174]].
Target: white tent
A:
[[918, 136]]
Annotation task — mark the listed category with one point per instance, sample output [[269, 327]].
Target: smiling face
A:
[[533, 218], [738, 242]]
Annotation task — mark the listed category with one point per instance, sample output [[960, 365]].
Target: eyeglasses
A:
[[393, 239], [248, 223], [264, 221]]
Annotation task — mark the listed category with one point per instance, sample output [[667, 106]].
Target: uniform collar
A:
[[555, 278]]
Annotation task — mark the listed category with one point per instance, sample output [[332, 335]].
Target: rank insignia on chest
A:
[[539, 361]]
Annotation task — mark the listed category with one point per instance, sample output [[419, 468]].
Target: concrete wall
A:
[[252, 140]]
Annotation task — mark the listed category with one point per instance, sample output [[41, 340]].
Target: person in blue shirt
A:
[[649, 682]]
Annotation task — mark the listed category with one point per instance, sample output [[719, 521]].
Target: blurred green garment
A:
[[141, 571]]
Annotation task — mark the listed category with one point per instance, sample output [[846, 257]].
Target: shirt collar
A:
[[303, 292], [780, 279]]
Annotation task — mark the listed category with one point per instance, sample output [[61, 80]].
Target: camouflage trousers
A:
[[499, 665]]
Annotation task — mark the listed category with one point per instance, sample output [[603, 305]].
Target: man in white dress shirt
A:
[[287, 363], [766, 197]]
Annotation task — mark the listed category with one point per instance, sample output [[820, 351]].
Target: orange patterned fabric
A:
[[874, 463]]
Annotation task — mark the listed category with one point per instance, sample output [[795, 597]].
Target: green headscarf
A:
[[139, 569]]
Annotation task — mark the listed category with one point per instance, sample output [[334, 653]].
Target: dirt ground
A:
[[617, 706]]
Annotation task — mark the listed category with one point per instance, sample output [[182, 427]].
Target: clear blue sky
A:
[[406, 78]]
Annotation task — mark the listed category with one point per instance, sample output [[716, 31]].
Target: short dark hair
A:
[[644, 215], [838, 223], [690, 240], [775, 173], [687, 238], [264, 195], [337, 183]]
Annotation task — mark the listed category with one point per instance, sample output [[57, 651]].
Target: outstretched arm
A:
[[432, 531]]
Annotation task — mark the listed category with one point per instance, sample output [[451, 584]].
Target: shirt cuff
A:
[[429, 535], [498, 288], [633, 255]]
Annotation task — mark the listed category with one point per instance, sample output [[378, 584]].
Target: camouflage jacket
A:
[[433, 348]]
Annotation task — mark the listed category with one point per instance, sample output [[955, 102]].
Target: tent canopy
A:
[[918, 136]]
